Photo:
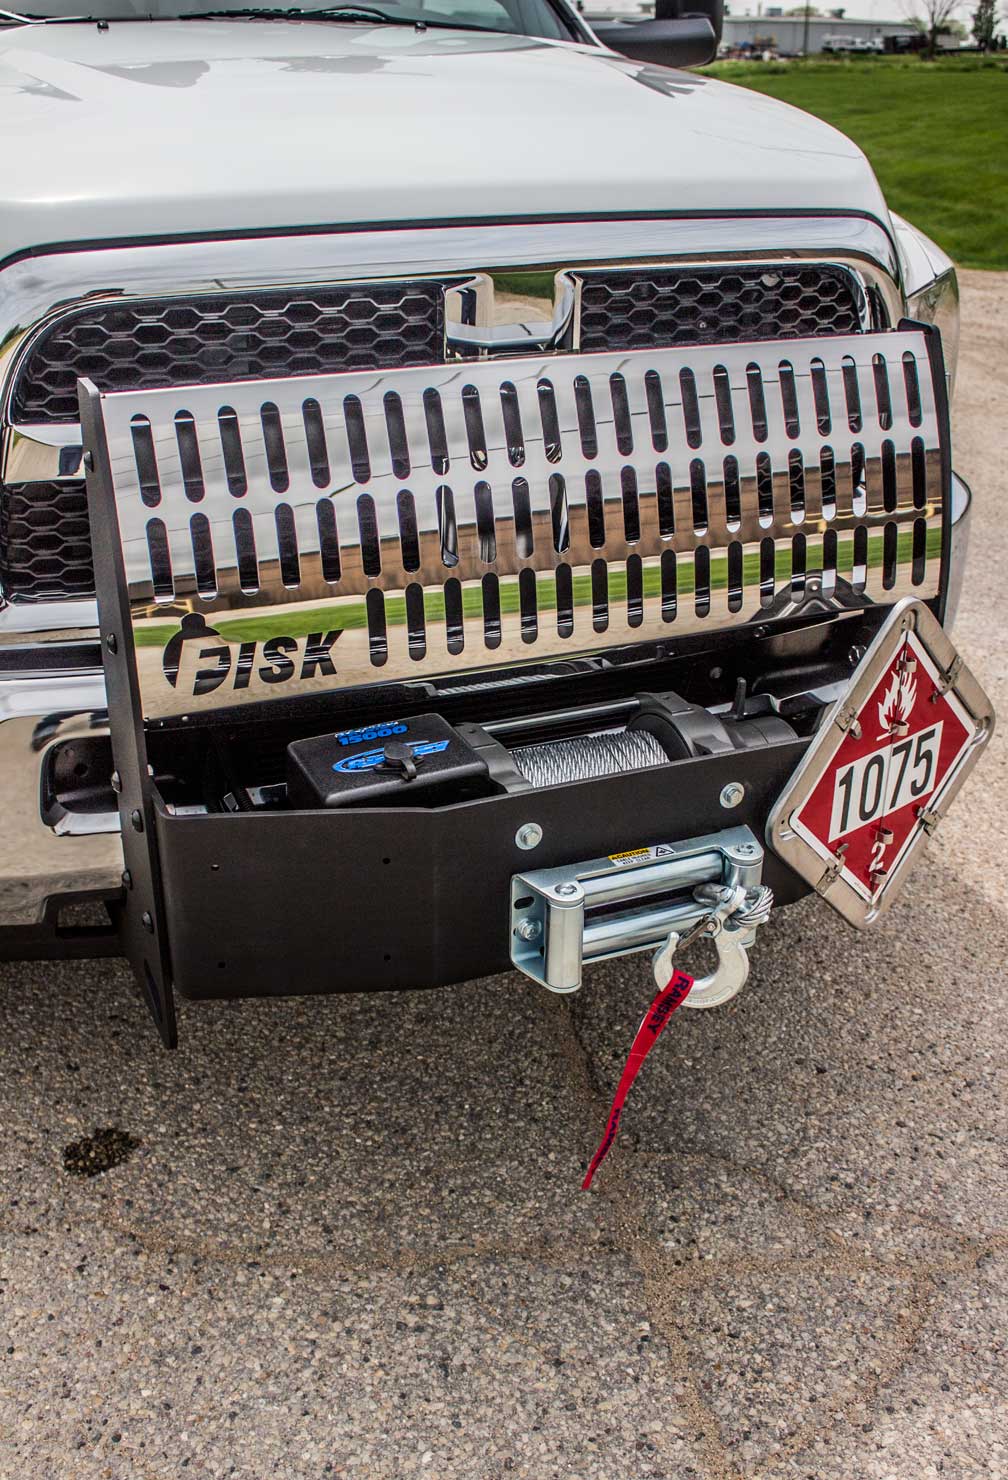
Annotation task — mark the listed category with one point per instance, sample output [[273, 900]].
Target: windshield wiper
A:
[[298, 13], [294, 12], [349, 13]]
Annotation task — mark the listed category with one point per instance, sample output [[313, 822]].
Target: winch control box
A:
[[409, 762]]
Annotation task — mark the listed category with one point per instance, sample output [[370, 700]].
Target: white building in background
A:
[[761, 26], [767, 25]]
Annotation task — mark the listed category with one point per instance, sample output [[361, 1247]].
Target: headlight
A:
[[932, 293], [938, 304]]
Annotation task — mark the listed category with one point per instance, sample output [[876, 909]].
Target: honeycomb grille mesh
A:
[[629, 310], [45, 542], [145, 344]]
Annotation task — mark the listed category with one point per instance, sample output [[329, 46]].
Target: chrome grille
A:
[[718, 305], [141, 343], [458, 518], [45, 541], [146, 343]]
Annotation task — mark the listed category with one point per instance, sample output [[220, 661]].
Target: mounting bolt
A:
[[746, 849], [112, 643], [529, 835], [566, 890], [528, 929], [147, 922], [127, 879], [732, 794], [136, 817], [855, 654], [116, 782], [88, 461]]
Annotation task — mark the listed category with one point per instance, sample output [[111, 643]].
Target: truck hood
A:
[[153, 129]]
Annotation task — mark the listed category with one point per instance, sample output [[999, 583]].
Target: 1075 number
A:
[[885, 780]]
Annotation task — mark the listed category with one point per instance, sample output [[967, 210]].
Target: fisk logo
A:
[[370, 760], [192, 660]]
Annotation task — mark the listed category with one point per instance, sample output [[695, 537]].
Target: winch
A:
[[657, 897], [424, 761]]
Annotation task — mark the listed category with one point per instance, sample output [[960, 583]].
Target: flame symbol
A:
[[897, 702]]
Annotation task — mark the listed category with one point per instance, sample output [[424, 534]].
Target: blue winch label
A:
[[372, 732], [370, 760]]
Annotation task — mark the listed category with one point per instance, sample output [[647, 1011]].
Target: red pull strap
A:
[[657, 1015]]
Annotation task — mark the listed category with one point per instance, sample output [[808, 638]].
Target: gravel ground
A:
[[351, 1241]]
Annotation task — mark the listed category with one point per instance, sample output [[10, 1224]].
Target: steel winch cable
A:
[[588, 757], [756, 909]]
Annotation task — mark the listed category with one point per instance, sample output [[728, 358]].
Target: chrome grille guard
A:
[[331, 531]]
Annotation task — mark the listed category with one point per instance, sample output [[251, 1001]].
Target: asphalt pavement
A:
[[345, 1237]]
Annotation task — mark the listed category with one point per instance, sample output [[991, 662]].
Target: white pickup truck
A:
[[519, 450]]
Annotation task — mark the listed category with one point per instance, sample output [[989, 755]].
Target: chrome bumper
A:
[[40, 708]]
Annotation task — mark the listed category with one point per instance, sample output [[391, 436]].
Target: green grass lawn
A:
[[936, 134]]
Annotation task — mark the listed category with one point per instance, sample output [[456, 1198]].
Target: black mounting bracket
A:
[[142, 929]]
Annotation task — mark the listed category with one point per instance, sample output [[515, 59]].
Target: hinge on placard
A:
[[928, 820], [847, 720], [833, 869], [948, 678]]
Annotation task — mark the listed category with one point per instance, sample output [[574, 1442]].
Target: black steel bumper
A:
[[301, 902]]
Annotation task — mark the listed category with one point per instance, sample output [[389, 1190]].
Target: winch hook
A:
[[731, 923]]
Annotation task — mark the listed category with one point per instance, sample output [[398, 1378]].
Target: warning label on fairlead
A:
[[641, 855]]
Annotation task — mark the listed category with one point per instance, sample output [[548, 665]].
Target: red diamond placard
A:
[[870, 800], [885, 766]]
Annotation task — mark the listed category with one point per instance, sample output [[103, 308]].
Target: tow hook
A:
[[731, 924]]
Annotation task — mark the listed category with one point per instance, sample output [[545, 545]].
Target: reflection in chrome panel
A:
[[726, 507]]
